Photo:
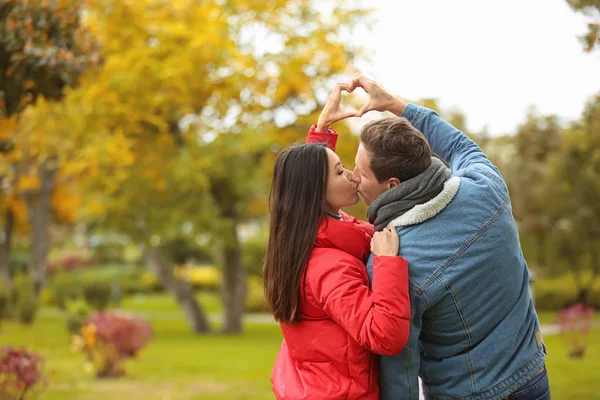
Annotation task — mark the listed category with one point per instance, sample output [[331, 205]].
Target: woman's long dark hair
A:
[[297, 205]]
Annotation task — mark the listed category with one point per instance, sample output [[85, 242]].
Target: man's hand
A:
[[332, 112], [379, 98]]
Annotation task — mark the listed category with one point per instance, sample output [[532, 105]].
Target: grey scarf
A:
[[407, 194]]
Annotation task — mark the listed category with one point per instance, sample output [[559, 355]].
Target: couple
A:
[[436, 283]]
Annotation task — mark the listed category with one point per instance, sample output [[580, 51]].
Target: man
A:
[[474, 331]]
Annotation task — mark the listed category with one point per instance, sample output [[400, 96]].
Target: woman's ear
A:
[[393, 182]]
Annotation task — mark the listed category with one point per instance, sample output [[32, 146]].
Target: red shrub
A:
[[575, 323], [20, 373], [109, 339]]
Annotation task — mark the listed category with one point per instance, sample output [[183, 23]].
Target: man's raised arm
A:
[[452, 145]]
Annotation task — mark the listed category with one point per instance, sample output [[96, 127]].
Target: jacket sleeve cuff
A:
[[412, 112], [329, 138]]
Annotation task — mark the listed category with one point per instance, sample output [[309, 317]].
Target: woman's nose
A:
[[348, 174]]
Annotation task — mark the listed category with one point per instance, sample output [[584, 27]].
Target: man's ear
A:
[[393, 182]]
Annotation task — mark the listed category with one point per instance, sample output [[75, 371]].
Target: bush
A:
[[18, 263], [109, 339], [148, 283], [20, 373], [575, 324], [3, 301], [47, 298], [97, 294], [22, 301], [206, 278], [558, 293], [130, 285], [78, 312], [254, 254], [255, 299], [65, 288], [27, 308], [135, 281], [108, 254], [21, 283], [68, 263], [181, 250]]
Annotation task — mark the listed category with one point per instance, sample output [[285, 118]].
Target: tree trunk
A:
[[39, 216], [180, 290], [234, 282], [5, 241]]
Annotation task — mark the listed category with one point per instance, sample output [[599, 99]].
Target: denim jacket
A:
[[474, 330]]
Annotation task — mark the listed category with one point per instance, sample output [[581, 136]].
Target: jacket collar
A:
[[423, 212], [350, 235]]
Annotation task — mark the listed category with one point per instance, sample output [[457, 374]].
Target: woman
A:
[[316, 281]]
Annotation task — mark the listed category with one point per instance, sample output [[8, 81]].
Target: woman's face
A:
[[341, 191]]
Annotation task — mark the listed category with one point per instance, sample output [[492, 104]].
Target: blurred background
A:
[[137, 139]]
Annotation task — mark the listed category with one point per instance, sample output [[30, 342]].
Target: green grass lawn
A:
[[164, 302], [178, 365], [570, 378]]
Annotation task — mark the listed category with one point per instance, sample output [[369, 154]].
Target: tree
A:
[[196, 98], [576, 199], [590, 8], [535, 142], [44, 48]]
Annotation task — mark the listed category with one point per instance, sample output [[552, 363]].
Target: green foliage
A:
[[97, 293], [180, 250], [253, 251], [255, 299], [22, 299], [66, 288], [43, 48], [552, 174], [3, 302], [19, 262], [78, 312], [554, 294], [590, 8], [21, 285], [108, 254], [27, 307], [47, 298]]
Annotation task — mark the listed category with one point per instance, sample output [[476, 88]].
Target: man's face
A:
[[368, 185]]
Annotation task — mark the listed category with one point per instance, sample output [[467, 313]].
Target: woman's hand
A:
[[385, 243], [332, 112]]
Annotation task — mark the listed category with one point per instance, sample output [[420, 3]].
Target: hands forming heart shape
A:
[[379, 100]]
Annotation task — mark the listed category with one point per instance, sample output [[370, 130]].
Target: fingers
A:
[[336, 93], [349, 114], [359, 80], [364, 109], [385, 242]]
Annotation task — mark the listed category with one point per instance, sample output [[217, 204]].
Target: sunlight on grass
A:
[[178, 365], [165, 302]]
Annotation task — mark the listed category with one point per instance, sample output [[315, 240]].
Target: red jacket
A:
[[330, 353]]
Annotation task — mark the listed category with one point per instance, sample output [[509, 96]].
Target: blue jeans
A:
[[536, 389]]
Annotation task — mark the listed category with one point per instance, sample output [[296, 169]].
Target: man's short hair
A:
[[396, 149]]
